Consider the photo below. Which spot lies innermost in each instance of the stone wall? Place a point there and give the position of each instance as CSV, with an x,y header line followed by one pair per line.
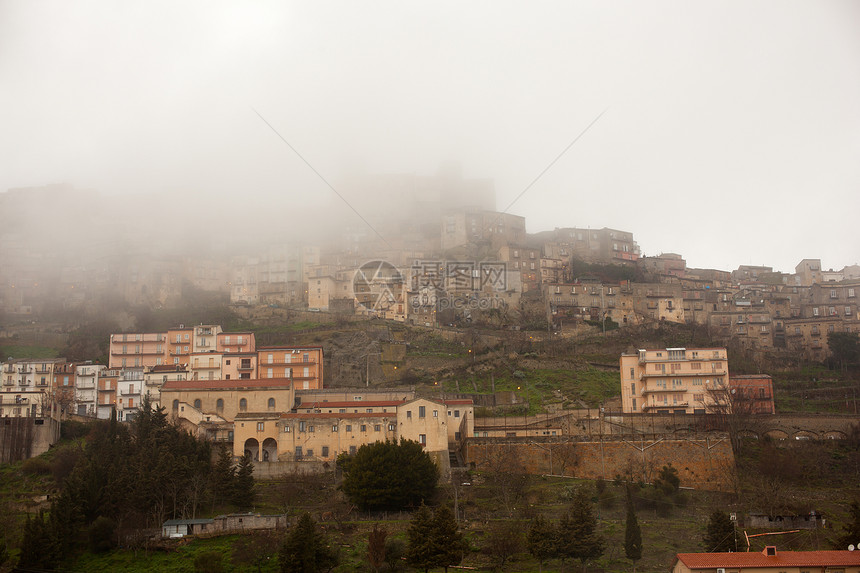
x,y
26,437
705,462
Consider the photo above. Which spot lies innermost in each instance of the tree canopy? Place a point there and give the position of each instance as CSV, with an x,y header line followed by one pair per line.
x,y
389,475
305,550
434,539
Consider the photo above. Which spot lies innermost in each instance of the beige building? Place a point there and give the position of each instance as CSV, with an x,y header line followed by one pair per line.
x,y
673,380
322,430
194,400
768,561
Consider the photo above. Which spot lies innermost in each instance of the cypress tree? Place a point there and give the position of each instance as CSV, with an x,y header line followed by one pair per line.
x,y
720,534
632,533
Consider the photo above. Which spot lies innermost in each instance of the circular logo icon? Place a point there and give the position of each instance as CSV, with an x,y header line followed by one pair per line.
x,y
378,286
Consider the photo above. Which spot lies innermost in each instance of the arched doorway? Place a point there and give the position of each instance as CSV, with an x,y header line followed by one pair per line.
x,y
252,448
270,450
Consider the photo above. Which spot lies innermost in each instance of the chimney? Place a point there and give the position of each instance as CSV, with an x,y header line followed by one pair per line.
x,y
770,551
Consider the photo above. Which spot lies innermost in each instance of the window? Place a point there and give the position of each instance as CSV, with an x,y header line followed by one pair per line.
x,y
261,426
377,427
352,450
287,429
198,403
219,405
815,311
409,414
456,413
833,293
847,311
349,427
634,404
175,403
334,428
631,373
325,451
851,292
435,413
391,427
302,426
633,388
421,411
271,404
368,411
298,452
243,405
310,453
422,439
364,427
311,429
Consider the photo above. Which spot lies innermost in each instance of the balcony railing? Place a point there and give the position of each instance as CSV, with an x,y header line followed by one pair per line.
x,y
245,367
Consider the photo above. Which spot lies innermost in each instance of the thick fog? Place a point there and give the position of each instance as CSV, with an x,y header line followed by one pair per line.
x,y
731,131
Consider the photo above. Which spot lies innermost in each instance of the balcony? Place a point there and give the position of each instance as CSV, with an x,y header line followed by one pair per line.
x,y
88,384
245,367
682,374
130,393
282,363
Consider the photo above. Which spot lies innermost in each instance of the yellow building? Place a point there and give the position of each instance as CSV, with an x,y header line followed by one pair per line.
x,y
321,431
194,400
673,380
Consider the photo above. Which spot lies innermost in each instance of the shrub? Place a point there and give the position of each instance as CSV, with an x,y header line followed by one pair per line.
x,y
101,535
38,466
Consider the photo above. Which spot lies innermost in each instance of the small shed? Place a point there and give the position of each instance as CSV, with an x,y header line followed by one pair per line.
x,y
175,528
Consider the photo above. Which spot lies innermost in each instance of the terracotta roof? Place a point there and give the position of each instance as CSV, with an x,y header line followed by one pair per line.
x,y
298,416
226,384
781,559
349,404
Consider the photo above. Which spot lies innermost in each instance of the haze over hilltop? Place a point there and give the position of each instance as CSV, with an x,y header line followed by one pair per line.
x,y
730,132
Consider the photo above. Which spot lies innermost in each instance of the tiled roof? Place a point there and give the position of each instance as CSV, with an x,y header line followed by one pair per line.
x,y
781,559
298,416
349,404
226,384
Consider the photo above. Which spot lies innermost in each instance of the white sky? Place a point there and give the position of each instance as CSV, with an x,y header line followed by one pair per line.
x,y
731,136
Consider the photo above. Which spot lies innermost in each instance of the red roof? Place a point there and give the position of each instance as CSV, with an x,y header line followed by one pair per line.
x,y
226,384
307,416
352,404
781,559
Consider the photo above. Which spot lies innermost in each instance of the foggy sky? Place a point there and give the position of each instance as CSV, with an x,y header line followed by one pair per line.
x,y
731,133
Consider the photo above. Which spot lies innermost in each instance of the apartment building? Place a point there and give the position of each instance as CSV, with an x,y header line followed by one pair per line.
x,y
238,342
471,226
664,264
129,390
602,246
659,301
156,376
673,380
524,260
86,388
63,389
239,365
589,301
107,392
28,387
136,350
301,364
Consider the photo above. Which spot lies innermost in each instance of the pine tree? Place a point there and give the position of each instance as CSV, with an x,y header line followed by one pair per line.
x,y
447,537
541,540
632,533
421,551
850,531
223,477
305,550
39,549
577,533
244,494
720,534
